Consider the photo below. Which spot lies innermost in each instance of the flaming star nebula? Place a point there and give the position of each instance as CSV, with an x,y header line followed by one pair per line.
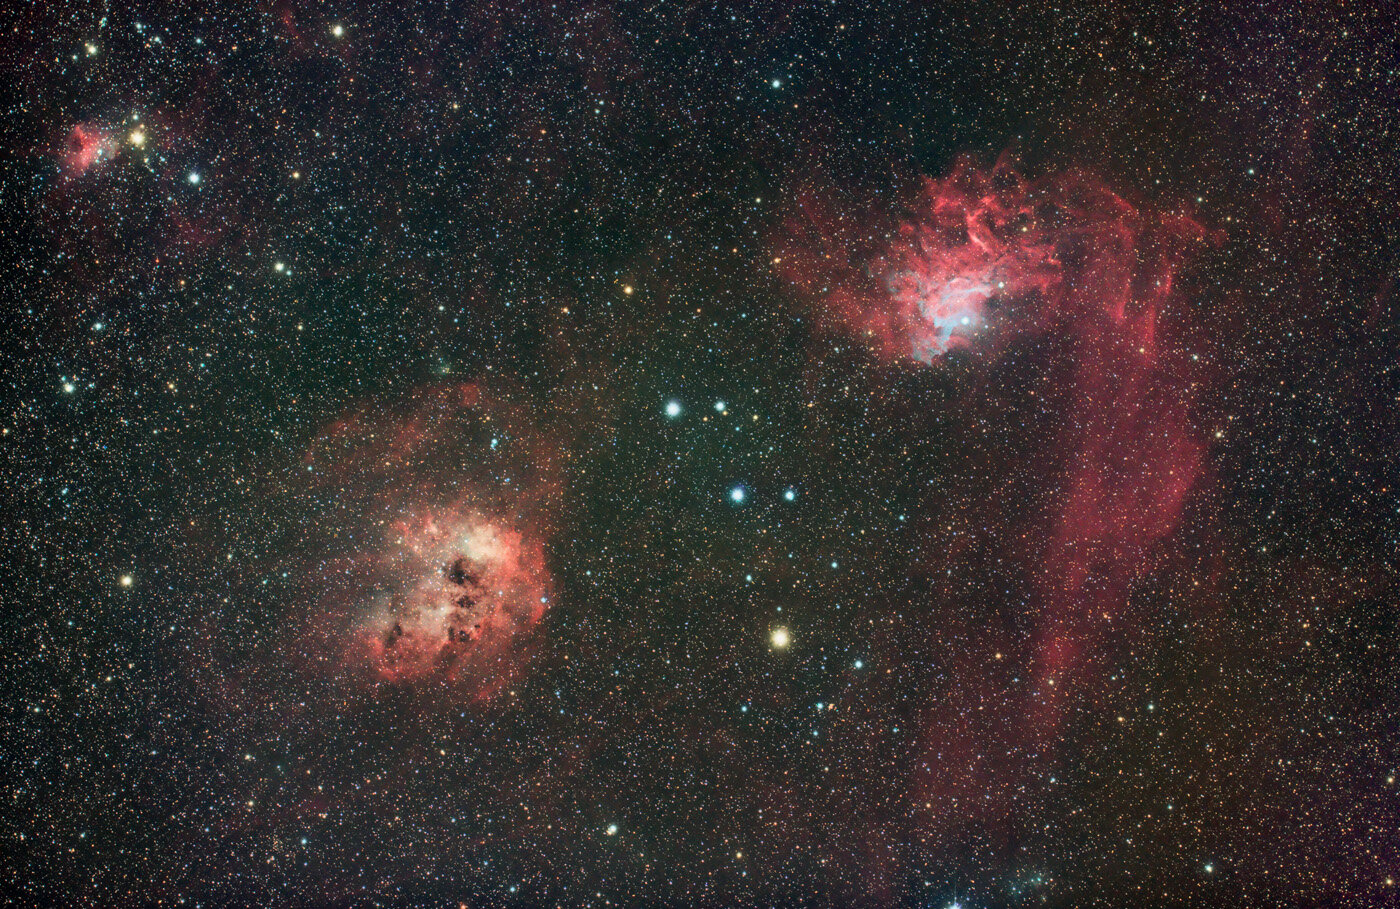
x,y
987,248
989,261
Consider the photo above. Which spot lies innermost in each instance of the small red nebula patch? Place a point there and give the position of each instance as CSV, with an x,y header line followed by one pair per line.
x,y
86,146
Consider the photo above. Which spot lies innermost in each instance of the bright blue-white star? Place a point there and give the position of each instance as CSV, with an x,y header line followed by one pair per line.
x,y
790,494
673,408
738,494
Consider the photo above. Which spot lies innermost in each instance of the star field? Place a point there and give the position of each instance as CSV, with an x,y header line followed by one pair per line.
x,y
607,454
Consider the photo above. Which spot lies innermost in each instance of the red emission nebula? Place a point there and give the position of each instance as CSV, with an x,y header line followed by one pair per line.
x,y
986,261
431,558
86,146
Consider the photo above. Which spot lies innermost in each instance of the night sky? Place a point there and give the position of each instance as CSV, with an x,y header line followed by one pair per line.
x,y
672,454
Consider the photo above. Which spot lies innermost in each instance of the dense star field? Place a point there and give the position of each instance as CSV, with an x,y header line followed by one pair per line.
x,y
659,454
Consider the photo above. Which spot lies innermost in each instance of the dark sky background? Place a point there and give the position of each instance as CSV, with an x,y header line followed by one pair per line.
x,y
282,280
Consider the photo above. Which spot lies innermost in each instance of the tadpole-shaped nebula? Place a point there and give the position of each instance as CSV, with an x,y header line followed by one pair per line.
x,y
989,261
431,552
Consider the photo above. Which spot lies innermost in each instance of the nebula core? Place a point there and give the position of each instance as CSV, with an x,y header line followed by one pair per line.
x,y
87,146
478,586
